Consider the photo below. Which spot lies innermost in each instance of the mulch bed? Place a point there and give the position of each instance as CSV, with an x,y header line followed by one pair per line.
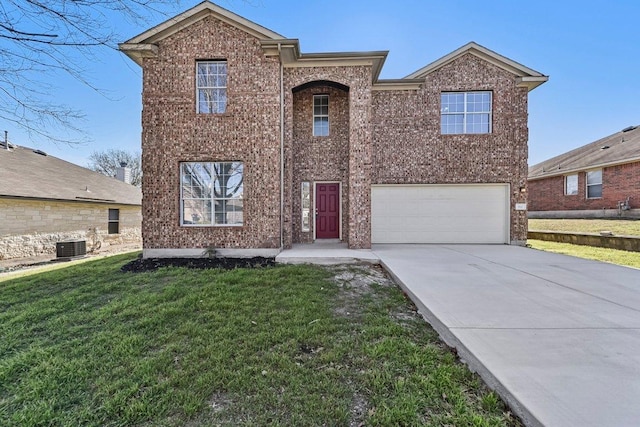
x,y
149,264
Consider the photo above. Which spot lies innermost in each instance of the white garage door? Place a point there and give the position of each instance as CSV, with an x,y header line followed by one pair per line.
x,y
440,213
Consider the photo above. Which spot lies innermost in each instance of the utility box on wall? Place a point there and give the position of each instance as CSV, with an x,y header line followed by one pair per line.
x,y
73,248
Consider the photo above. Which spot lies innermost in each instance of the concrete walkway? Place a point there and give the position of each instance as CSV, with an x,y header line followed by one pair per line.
x,y
325,253
558,337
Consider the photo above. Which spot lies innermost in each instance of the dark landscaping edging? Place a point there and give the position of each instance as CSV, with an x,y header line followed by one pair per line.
x,y
625,243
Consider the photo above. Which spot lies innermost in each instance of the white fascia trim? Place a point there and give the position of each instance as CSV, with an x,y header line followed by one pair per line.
x,y
198,253
202,10
383,85
483,53
561,172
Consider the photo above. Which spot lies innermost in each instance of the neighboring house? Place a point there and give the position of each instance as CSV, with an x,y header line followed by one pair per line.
x,y
597,180
44,200
250,146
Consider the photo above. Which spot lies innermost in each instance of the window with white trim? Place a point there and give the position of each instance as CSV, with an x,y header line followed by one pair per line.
x,y
320,115
465,112
571,185
306,206
211,193
594,184
211,87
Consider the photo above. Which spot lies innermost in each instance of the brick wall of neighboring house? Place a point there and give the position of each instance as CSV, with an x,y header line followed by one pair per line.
x,y
408,147
356,197
319,158
618,183
249,131
32,227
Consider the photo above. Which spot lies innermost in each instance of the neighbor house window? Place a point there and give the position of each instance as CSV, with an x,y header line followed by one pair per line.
x,y
114,221
465,112
594,184
571,185
306,206
320,115
211,86
211,193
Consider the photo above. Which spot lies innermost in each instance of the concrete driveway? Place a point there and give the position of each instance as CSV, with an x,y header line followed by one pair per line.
x,y
558,337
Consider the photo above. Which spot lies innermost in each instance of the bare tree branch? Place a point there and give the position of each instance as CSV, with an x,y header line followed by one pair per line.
x,y
107,162
39,40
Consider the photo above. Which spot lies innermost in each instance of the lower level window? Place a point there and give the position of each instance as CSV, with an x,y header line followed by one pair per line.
x,y
211,193
306,206
594,184
114,221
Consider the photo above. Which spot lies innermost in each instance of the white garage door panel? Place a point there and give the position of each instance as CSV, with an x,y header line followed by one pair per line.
x,y
439,214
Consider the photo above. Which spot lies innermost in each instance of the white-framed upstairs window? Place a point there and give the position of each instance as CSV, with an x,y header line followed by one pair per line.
x,y
465,112
211,193
594,184
211,87
571,185
320,115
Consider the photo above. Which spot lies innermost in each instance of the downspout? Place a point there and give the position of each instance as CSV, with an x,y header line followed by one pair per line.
x,y
281,147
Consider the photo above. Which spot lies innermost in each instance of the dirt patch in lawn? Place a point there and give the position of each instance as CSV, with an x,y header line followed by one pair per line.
x,y
149,264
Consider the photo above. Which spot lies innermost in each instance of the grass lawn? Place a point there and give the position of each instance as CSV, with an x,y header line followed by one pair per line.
x,y
613,256
288,345
616,226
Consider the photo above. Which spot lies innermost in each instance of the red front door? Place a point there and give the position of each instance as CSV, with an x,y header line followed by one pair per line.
x,y
327,211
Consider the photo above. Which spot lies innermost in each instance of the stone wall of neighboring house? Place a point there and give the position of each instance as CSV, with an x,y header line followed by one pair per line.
x,y
408,147
349,156
618,183
32,227
249,131
319,158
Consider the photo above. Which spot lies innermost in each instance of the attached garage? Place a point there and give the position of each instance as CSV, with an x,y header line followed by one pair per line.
x,y
447,213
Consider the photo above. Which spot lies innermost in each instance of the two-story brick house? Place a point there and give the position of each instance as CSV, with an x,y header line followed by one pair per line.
x,y
250,146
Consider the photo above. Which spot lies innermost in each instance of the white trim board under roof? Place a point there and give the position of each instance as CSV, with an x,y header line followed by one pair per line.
x,y
527,77
288,50
619,148
144,45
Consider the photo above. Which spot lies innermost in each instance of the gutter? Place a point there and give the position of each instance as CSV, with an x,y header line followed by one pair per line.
x,y
561,172
281,147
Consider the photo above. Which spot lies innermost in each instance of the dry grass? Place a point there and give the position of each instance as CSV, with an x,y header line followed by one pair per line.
x,y
620,227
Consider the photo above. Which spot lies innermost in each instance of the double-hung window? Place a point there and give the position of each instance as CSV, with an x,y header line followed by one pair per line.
x,y
320,115
465,112
571,185
114,221
594,184
211,193
211,86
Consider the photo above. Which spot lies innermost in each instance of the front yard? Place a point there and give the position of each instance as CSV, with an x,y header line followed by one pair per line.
x,y
285,345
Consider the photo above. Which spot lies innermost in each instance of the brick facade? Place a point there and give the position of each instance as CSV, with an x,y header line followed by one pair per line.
x,y
425,156
376,136
249,131
618,183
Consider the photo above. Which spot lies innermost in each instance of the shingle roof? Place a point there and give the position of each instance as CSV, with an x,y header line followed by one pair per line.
x,y
619,148
29,173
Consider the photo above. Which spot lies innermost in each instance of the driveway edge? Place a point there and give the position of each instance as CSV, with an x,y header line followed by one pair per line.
x,y
465,355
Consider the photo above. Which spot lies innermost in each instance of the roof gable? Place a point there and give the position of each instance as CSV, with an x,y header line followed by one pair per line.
x,y
526,76
145,44
620,148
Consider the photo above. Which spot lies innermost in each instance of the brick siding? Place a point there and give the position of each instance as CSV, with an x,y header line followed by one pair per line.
x,y
618,183
249,131
376,137
409,149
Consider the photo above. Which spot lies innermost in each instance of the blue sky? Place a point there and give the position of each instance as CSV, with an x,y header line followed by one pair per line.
x,y
590,50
